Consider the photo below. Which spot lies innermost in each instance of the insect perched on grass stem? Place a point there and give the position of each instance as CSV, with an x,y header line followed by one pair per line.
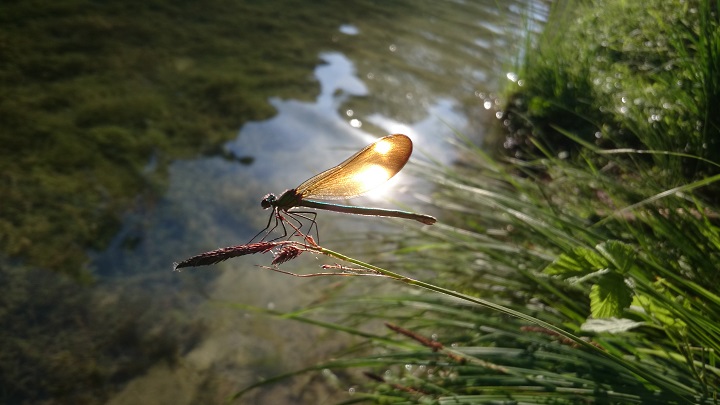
x,y
369,168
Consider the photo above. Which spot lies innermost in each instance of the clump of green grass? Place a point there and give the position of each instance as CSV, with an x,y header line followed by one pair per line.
x,y
585,276
625,74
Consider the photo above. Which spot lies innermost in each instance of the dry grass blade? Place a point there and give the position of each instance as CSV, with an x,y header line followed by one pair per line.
x,y
286,253
222,254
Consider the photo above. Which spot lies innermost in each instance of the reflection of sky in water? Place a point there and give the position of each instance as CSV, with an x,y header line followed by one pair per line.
x,y
304,139
299,141
213,202
349,29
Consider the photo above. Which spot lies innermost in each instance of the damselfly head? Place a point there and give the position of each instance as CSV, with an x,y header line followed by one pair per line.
x,y
268,201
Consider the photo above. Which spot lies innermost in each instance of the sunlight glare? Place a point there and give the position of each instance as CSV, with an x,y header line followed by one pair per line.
x,y
371,176
383,191
382,148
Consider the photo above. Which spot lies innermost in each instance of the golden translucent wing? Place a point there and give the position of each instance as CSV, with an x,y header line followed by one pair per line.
x,y
372,166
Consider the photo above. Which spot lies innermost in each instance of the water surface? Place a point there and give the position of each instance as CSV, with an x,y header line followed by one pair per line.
x,y
417,68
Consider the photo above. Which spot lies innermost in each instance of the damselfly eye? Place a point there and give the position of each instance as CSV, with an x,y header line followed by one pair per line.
x,y
267,201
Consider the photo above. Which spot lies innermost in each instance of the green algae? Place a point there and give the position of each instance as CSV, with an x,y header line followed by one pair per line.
x,y
92,91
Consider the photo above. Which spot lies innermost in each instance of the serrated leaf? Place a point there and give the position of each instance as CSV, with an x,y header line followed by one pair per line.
x,y
621,255
609,297
593,259
610,325
580,260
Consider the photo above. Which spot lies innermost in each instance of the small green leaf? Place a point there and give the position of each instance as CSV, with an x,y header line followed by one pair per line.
x,y
621,255
580,260
609,297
